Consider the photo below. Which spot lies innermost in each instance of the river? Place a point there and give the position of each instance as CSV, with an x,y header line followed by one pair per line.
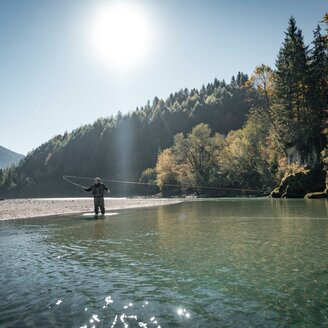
x,y
201,263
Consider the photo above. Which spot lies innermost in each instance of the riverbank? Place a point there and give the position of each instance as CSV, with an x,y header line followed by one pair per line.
x,y
39,207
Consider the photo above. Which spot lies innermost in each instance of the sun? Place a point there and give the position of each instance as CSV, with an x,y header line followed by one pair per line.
x,y
120,35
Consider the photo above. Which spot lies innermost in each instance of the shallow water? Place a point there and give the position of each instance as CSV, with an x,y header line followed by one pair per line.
x,y
213,263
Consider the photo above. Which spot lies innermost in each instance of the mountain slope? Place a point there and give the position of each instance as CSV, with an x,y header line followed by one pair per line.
x,y
8,157
122,147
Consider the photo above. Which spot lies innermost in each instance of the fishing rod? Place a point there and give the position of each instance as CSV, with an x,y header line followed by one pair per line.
x,y
69,177
72,182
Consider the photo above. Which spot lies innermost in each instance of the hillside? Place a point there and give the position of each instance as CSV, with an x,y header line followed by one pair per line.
x,y
122,147
8,157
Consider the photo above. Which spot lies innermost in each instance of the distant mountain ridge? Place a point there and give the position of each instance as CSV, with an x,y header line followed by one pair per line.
x,y
8,157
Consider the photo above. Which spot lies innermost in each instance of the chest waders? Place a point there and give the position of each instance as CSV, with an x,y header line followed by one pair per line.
x,y
99,202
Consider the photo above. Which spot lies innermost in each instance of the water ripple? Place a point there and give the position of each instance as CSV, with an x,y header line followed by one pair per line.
x,y
202,264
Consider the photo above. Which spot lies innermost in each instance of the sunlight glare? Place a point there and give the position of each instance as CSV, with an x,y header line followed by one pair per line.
x,y
120,35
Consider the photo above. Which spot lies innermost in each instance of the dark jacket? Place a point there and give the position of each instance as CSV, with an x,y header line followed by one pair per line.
x,y
97,189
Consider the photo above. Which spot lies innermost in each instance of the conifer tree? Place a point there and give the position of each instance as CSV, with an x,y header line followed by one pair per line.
x,y
291,69
241,79
291,110
318,86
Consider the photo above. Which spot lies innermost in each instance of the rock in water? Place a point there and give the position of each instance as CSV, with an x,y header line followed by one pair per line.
x,y
299,184
316,195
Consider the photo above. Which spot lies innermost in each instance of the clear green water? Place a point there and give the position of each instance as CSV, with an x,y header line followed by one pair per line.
x,y
215,263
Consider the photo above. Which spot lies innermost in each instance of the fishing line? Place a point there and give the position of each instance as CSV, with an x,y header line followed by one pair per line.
x,y
69,177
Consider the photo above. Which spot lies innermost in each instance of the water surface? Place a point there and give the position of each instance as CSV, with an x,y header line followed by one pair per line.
x,y
213,263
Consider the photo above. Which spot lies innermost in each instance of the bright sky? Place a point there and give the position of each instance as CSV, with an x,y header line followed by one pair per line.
x,y
65,63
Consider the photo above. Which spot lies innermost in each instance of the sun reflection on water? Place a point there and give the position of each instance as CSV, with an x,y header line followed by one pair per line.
x,y
128,317
183,313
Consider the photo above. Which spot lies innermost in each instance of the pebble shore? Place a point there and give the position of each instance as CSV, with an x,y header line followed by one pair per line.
x,y
40,207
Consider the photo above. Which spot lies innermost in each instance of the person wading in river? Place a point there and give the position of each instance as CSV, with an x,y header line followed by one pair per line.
x,y
98,190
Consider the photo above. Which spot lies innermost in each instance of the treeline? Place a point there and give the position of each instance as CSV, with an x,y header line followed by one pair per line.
x,y
122,147
249,133
284,138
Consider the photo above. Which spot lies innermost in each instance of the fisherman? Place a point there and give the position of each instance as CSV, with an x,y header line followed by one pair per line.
x,y
98,190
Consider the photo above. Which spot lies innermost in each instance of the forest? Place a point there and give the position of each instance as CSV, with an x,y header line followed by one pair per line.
x,y
264,134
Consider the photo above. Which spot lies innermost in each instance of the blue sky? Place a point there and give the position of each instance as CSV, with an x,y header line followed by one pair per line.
x,y
52,82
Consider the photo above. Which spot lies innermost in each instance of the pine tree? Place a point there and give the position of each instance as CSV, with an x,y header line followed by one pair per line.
x,y
318,85
241,79
291,71
291,101
233,81
324,153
